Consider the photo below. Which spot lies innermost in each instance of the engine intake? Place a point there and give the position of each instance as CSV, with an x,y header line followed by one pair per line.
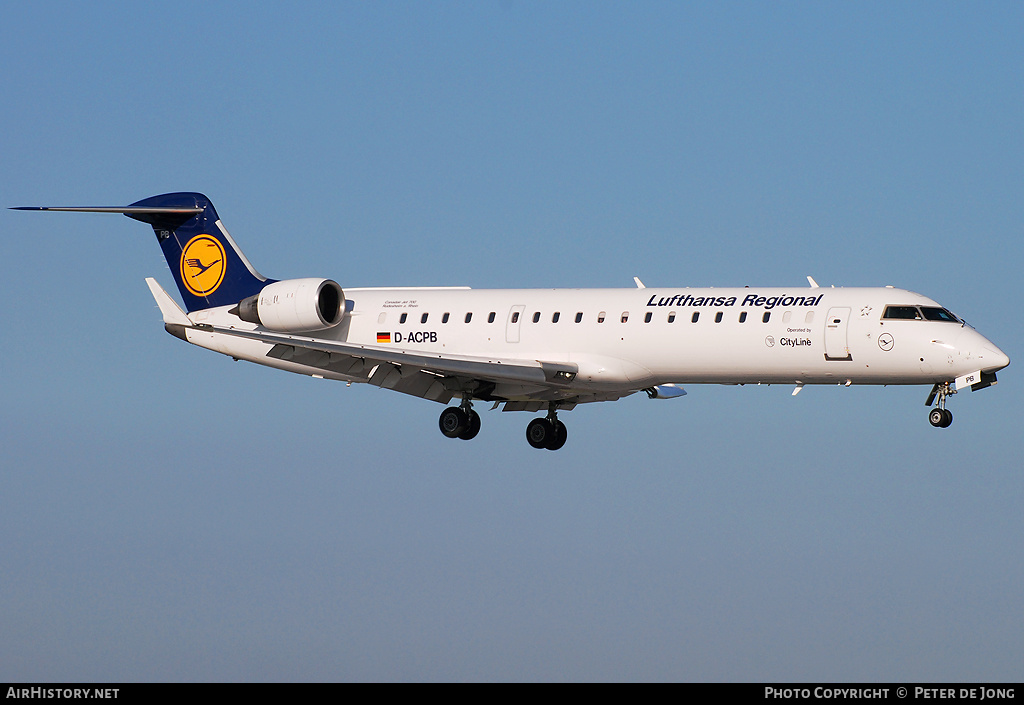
x,y
295,305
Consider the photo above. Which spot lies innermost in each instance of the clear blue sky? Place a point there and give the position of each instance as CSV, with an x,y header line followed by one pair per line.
x,y
168,514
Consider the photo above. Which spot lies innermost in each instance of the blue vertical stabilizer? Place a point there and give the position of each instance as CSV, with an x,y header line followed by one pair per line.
x,y
206,263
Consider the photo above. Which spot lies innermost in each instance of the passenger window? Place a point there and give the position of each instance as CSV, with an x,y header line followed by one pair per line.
x,y
579,316
536,317
718,317
625,316
382,317
766,317
469,317
444,318
600,317
515,316
423,318
402,319
672,317
554,317
490,317
647,317
696,317
809,318
743,316
786,316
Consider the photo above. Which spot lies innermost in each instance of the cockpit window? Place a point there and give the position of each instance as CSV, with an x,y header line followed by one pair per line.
x,y
934,313
906,313
919,313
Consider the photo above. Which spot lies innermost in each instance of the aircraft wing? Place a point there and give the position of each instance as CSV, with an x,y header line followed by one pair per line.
x,y
429,375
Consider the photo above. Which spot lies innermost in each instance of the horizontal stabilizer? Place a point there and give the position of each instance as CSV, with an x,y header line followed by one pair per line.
x,y
207,265
126,210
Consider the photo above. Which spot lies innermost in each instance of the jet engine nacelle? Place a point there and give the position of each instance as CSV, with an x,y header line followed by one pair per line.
x,y
295,305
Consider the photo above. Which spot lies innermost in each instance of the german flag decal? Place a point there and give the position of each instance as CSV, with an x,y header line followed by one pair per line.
x,y
383,337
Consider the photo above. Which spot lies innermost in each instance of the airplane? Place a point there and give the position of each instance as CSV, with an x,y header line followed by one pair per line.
x,y
550,349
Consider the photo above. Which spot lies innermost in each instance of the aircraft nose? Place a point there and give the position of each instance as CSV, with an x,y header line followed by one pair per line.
x,y
994,358
975,350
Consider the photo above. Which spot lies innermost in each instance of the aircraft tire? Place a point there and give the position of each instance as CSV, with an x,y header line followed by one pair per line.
x,y
473,428
940,418
558,436
453,422
539,433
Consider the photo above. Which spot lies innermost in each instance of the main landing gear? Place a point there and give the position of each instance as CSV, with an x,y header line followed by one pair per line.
x,y
462,422
940,416
549,432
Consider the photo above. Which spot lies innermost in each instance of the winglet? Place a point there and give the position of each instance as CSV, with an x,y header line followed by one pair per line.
x,y
814,284
639,284
172,313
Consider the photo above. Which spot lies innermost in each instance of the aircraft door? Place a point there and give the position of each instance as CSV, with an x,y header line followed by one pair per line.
x,y
515,319
837,347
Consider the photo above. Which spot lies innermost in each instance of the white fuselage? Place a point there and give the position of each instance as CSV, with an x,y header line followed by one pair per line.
x,y
623,340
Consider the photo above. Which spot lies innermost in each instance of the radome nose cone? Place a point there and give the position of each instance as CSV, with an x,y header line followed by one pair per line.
x,y
995,359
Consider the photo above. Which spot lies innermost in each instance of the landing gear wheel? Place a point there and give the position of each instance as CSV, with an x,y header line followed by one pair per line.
x,y
454,422
558,437
473,428
539,433
940,418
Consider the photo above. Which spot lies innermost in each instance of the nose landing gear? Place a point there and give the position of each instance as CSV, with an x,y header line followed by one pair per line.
x,y
940,416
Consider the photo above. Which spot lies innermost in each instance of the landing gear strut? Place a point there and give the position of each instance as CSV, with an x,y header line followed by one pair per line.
x,y
460,421
940,416
549,432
